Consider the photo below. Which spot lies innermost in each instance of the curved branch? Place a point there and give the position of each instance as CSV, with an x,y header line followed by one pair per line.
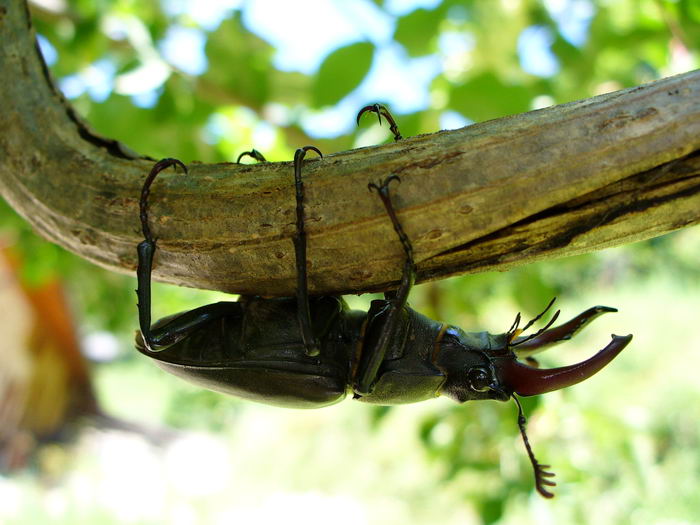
x,y
568,179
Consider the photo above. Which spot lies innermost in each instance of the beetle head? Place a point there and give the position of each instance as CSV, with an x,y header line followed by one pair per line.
x,y
486,366
470,366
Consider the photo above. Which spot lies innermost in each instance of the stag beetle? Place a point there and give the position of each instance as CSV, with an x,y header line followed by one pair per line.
x,y
310,352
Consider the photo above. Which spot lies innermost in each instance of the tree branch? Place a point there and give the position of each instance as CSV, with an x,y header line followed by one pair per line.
x,y
569,179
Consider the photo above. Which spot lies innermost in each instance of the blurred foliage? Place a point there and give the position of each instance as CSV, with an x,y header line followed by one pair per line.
x,y
491,58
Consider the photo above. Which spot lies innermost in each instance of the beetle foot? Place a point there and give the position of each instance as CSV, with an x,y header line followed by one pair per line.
x,y
380,110
383,187
254,154
146,190
300,153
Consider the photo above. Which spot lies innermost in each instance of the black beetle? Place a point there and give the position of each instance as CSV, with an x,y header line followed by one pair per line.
x,y
310,352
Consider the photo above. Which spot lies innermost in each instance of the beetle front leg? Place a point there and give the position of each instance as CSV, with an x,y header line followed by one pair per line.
x,y
369,367
180,327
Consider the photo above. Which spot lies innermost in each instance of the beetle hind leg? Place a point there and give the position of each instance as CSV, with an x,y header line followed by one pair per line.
x,y
146,250
164,336
304,312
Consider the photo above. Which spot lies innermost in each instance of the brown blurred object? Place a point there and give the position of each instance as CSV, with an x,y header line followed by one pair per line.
x,y
46,390
45,383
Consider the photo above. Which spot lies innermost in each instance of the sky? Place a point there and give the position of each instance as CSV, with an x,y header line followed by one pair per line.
x,y
343,23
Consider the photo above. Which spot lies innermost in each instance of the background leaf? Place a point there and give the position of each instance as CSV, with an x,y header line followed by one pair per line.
x,y
418,30
340,73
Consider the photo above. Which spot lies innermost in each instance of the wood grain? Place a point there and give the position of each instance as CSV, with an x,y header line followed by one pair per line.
x,y
564,180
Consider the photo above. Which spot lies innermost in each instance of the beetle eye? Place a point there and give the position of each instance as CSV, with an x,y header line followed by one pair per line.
x,y
479,379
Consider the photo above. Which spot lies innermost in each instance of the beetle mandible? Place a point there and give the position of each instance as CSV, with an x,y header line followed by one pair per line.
x,y
310,352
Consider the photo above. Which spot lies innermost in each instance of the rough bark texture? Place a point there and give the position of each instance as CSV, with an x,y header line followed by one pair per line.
x,y
569,179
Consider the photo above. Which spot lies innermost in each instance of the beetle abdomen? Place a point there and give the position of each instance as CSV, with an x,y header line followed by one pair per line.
x,y
240,355
290,385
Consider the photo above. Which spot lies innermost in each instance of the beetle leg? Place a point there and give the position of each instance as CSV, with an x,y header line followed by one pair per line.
x,y
524,347
380,110
304,312
531,361
175,330
254,154
541,472
370,366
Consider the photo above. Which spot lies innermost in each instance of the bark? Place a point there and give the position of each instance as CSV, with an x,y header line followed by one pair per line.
x,y
564,180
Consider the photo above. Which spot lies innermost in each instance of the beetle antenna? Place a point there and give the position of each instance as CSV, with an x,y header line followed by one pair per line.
x,y
539,316
540,331
145,192
541,473
512,333
513,330
254,154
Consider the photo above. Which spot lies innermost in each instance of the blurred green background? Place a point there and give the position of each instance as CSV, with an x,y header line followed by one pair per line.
x,y
208,80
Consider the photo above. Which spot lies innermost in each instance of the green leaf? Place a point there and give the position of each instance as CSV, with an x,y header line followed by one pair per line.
x,y
417,31
486,97
289,87
171,128
341,72
239,65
